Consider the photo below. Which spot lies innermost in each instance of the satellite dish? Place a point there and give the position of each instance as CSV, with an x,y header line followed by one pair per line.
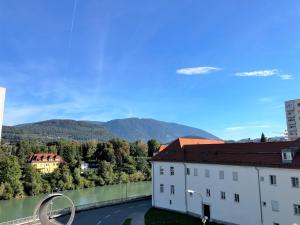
x,y
41,210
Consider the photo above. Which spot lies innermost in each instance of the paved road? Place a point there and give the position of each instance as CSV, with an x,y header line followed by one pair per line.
x,y
112,215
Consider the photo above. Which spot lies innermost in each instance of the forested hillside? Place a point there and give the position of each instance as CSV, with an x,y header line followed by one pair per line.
x,y
130,129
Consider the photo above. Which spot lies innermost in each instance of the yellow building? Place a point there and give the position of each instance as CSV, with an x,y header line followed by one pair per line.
x,y
45,162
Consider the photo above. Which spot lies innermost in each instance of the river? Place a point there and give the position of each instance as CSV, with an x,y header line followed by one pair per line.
x,y
18,208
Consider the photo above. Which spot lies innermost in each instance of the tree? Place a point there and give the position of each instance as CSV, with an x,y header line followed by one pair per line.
x,y
6,191
121,150
24,151
66,178
153,146
88,149
105,171
70,152
10,173
78,179
138,148
123,177
33,182
263,138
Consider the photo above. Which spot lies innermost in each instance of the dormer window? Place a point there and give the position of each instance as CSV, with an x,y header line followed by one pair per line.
x,y
288,154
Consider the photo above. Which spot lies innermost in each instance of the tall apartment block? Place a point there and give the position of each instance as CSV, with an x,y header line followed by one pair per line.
x,y
2,98
292,110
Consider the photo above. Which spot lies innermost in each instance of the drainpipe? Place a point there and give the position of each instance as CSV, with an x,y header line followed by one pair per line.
x,y
153,192
185,188
259,191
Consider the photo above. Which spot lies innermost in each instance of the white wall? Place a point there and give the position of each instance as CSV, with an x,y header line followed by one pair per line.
x,y
283,192
247,211
162,200
2,98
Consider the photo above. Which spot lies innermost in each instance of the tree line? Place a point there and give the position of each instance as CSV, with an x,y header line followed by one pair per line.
x,y
117,161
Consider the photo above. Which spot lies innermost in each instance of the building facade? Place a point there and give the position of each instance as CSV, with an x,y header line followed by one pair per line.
x,y
2,99
45,162
245,183
292,110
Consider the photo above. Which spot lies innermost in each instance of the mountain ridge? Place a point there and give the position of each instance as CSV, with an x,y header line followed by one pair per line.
x,y
130,129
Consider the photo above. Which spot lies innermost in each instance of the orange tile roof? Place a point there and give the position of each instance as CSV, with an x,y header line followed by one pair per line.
x,y
180,142
197,141
44,157
162,147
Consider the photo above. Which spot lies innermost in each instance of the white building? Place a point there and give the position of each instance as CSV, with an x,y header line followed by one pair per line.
x,y
292,110
2,98
243,183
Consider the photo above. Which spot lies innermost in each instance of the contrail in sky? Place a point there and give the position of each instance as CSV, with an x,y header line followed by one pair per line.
x,y
72,23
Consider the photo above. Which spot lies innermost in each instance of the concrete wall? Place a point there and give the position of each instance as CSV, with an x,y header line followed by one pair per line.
x,y
162,200
247,211
283,192
2,99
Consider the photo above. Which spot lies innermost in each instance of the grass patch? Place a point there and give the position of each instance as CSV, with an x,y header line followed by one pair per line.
x,y
127,222
164,217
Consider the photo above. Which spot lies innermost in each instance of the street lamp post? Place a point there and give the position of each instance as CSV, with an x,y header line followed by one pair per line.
x,y
203,218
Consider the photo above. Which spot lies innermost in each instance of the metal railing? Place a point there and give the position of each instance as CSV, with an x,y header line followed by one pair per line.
x,y
33,220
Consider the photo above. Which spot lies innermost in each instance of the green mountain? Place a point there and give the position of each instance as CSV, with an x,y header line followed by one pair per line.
x,y
145,129
51,130
130,129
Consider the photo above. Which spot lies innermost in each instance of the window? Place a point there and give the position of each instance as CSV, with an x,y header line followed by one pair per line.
x,y
207,173
275,206
262,179
172,189
235,176
207,192
188,171
223,195
161,188
295,182
161,170
273,180
297,209
172,171
221,174
236,197
287,156
195,172
170,202
275,223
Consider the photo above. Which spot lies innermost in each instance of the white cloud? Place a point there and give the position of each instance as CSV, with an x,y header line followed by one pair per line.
x,y
197,70
265,99
286,77
258,73
239,128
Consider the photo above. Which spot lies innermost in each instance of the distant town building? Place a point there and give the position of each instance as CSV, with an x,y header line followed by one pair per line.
x,y
2,99
45,162
236,183
292,109
88,167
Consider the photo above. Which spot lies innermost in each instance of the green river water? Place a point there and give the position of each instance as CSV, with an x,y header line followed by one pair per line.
x,y
18,208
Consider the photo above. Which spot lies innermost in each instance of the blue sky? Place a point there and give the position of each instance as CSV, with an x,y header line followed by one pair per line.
x,y
225,66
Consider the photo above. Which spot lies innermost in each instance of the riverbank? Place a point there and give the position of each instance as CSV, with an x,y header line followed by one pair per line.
x,y
18,208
